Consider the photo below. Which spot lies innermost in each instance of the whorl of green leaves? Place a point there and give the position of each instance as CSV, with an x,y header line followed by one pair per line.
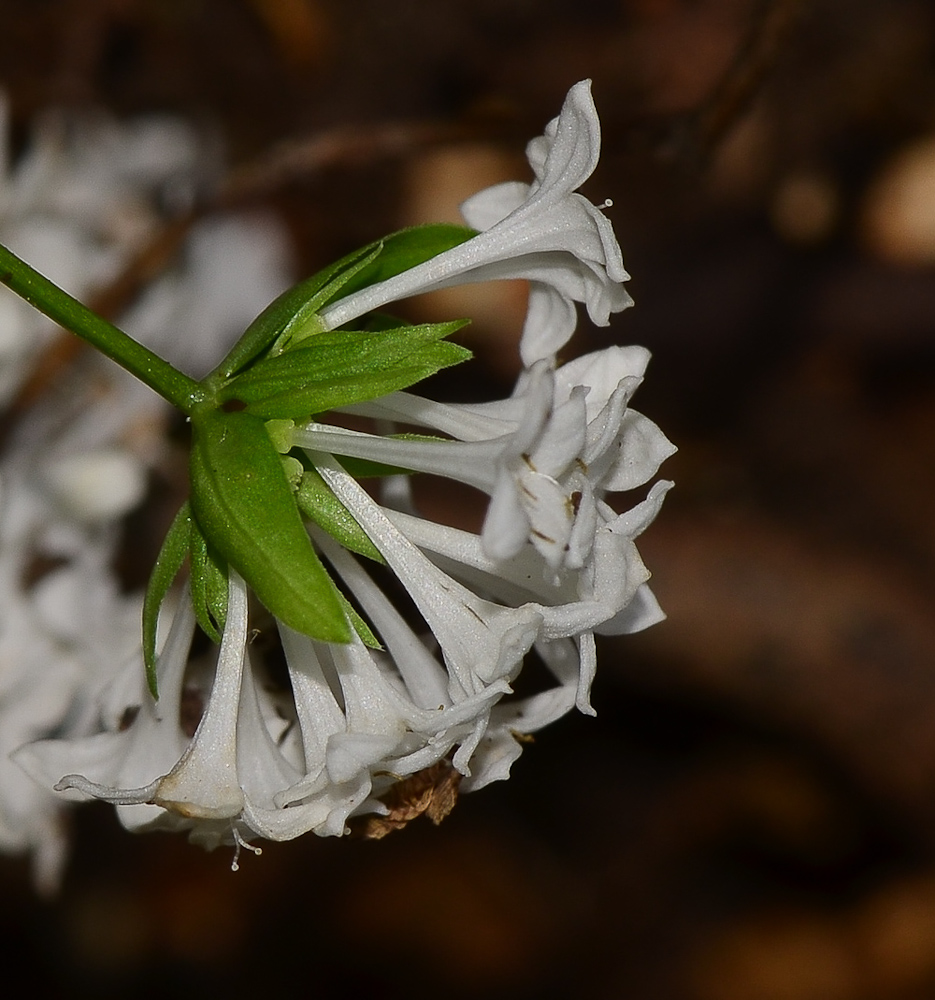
x,y
244,510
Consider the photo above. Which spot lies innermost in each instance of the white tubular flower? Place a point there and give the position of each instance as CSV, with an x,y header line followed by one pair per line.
x,y
364,716
544,232
139,740
360,716
424,686
546,456
156,775
609,596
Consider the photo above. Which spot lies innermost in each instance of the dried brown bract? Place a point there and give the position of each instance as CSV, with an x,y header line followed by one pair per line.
x,y
432,792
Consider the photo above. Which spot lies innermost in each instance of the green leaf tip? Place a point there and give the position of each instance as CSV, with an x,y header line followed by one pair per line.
x,y
291,320
168,563
209,585
292,315
342,367
319,504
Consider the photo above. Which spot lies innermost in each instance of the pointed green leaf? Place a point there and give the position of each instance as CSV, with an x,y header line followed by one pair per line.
x,y
301,404
334,354
360,626
349,367
319,504
292,317
243,504
168,563
292,310
209,586
305,322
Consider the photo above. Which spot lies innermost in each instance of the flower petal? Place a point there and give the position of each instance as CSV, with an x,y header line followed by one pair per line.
x,y
204,784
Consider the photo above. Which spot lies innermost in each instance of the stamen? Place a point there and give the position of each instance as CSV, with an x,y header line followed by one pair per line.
x,y
239,842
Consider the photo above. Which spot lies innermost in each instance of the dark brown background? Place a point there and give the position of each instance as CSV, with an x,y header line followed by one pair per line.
x,y
752,814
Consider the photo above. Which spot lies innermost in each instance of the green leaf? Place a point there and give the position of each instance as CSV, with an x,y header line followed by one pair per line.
x,y
301,404
319,504
209,586
305,322
334,354
292,317
243,504
360,626
345,367
286,315
168,563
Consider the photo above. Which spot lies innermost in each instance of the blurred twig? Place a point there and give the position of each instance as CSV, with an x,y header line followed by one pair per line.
x,y
343,146
697,138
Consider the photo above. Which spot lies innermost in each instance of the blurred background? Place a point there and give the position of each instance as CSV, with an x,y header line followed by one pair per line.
x,y
751,816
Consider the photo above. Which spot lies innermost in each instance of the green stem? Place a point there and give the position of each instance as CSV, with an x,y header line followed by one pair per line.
x,y
174,386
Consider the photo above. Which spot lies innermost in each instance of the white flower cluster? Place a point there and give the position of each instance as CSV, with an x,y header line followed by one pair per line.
x,y
554,565
78,203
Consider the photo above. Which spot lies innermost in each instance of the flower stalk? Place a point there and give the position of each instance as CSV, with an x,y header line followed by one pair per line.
x,y
174,386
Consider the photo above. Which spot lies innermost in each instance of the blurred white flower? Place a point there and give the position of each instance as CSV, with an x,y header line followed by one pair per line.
x,y
82,198
64,626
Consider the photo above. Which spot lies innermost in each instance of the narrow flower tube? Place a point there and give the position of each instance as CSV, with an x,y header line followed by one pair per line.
x,y
544,232
546,456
